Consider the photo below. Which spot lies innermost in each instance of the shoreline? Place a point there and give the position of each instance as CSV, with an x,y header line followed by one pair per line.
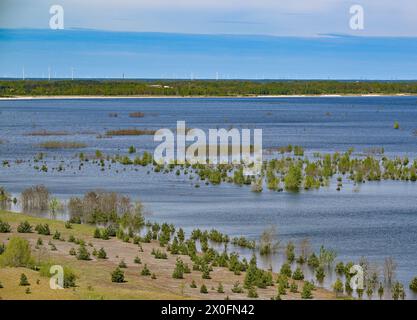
x,y
95,272
66,97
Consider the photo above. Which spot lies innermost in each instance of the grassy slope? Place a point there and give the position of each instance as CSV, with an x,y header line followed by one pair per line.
x,y
94,276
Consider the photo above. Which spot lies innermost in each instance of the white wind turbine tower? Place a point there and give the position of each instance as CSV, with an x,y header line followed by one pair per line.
x,y
72,73
49,73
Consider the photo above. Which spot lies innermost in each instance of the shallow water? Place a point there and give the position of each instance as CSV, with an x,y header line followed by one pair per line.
x,y
375,220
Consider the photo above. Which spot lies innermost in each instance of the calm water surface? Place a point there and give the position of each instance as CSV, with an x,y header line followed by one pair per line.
x,y
375,220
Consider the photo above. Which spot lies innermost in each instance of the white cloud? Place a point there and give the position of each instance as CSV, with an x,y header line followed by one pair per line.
x,y
273,17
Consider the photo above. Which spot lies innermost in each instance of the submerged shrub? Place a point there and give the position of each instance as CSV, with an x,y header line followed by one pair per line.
x,y
35,198
338,287
413,284
107,207
293,178
398,291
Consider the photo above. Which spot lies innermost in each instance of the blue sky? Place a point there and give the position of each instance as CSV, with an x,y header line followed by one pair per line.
x,y
200,38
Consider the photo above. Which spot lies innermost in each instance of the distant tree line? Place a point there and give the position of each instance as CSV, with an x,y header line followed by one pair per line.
x,y
200,87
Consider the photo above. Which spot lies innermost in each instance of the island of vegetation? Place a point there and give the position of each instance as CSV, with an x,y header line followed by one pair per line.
x,y
203,88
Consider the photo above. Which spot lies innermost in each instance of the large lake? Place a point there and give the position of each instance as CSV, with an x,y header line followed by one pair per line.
x,y
375,220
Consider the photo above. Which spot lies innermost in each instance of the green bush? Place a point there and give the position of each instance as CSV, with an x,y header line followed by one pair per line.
x,y
220,288
282,288
118,276
252,293
320,274
101,254
340,268
158,254
290,252
338,287
57,235
24,280
24,227
193,284
69,275
286,270
306,293
298,274
122,264
105,234
4,227
398,291
82,253
145,271
179,270
17,253
313,261
292,179
137,260
97,233
237,288
380,291
203,289
413,284
43,229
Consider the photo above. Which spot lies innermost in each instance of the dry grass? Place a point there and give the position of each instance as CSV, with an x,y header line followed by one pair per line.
x,y
45,133
53,144
136,114
130,132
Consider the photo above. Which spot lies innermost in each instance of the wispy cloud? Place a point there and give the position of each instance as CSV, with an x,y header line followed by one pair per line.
x,y
271,17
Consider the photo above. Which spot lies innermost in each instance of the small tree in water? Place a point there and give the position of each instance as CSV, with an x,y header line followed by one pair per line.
x,y
268,242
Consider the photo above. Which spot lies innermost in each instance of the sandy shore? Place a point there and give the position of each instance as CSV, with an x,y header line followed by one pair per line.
x,y
201,97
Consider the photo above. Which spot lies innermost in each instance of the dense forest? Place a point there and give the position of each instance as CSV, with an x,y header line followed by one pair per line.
x,y
180,88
